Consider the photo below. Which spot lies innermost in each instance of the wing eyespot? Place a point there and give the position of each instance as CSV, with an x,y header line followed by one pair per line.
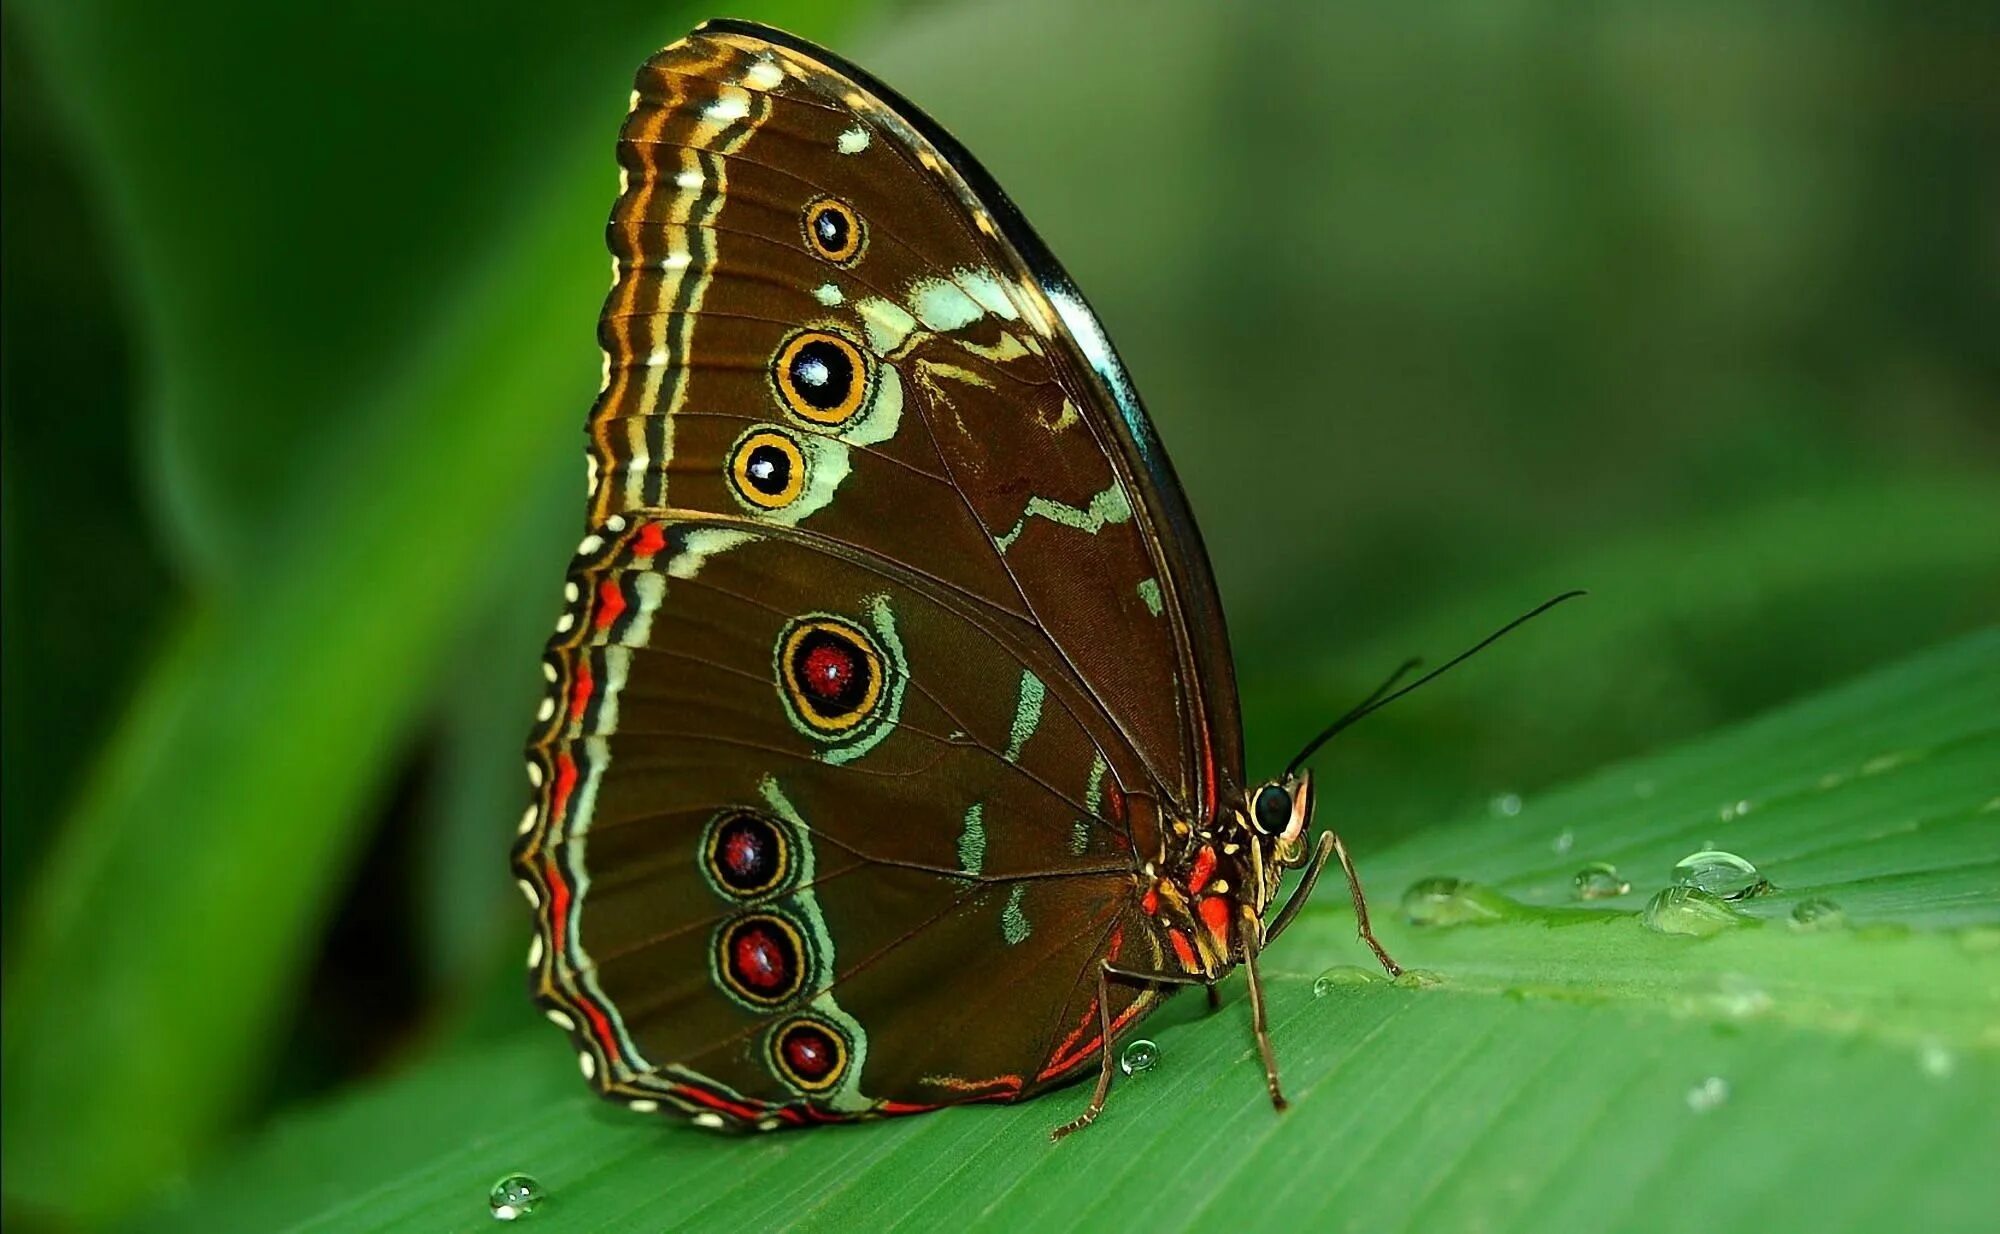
x,y
831,675
809,1053
767,469
822,378
834,232
762,959
748,855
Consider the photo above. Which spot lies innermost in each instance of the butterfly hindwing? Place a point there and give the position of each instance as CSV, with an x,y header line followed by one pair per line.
x,y
862,844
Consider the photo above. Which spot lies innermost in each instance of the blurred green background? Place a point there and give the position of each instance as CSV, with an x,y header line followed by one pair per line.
x,y
1694,306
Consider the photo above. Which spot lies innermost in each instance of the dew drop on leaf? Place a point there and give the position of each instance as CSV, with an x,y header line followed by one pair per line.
x,y
1708,1094
1451,901
1340,975
1936,1059
1719,873
1689,911
1599,881
514,1197
1139,1055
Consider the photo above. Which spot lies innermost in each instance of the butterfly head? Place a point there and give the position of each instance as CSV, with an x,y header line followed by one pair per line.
x,y
1279,815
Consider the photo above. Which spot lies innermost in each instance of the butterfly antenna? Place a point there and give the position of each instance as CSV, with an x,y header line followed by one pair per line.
x,y
1384,694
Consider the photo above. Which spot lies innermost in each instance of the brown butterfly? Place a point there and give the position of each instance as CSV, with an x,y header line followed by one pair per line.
x,y
890,757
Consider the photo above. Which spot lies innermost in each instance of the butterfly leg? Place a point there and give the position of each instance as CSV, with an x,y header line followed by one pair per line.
x,y
1096,1106
1258,1022
1214,997
1105,972
1330,846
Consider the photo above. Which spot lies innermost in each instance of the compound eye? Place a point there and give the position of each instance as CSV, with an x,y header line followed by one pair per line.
x,y
1272,809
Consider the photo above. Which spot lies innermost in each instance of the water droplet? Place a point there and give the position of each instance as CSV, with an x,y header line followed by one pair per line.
x,y
1732,810
1140,1055
515,1196
1708,1094
1564,841
1340,975
1688,910
1738,997
1818,913
1507,805
1719,873
1599,881
1937,1060
1451,901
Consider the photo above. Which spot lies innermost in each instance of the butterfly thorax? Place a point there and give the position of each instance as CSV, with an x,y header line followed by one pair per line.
x,y
1207,888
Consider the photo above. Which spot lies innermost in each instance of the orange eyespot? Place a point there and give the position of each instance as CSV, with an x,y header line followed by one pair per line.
x,y
821,377
768,469
835,231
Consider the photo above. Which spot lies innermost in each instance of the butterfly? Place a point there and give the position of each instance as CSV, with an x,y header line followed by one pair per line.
x,y
890,756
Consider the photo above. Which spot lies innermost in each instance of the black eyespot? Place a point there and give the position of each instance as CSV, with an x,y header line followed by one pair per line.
x,y
1273,808
821,377
767,469
831,228
834,230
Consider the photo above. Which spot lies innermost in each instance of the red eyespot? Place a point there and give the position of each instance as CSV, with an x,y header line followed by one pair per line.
x,y
760,960
828,670
809,1054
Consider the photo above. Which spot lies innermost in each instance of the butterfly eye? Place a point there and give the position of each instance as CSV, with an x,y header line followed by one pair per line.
x,y
821,377
1273,809
834,231
768,469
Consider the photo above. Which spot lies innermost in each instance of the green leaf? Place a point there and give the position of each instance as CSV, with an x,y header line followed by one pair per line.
x,y
1563,1068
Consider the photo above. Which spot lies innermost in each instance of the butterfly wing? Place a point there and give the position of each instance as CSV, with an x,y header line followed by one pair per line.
x,y
827,886
892,643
